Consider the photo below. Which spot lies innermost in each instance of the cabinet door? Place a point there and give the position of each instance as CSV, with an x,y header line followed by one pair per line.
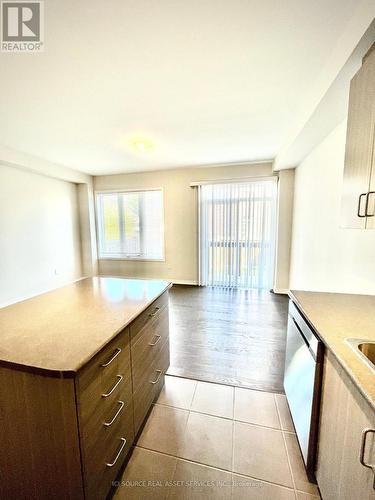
x,y
359,145
370,221
344,416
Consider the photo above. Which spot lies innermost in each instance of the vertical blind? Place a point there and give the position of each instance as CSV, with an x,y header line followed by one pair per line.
x,y
237,227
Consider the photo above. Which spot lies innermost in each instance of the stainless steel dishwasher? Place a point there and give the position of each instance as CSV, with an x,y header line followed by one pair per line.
x,y
302,383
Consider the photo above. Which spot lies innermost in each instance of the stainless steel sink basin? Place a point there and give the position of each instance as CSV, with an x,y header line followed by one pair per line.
x,y
366,349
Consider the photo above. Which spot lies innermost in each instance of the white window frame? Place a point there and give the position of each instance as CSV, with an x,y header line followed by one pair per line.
x,y
99,224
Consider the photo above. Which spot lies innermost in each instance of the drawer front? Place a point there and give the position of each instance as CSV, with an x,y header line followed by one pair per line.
x,y
104,455
147,316
150,386
105,411
100,381
93,422
148,346
109,418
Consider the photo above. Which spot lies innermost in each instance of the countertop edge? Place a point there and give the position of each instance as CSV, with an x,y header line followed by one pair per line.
x,y
341,362
72,371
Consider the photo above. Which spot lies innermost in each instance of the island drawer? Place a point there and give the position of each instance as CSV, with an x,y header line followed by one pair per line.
x,y
105,412
93,417
147,316
105,451
148,346
103,376
150,386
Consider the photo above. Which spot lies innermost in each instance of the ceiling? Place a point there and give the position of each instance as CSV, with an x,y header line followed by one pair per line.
x,y
202,81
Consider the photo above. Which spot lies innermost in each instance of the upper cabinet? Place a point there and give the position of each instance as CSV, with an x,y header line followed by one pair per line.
x,y
358,200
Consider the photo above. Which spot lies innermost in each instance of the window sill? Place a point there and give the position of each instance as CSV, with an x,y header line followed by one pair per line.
x,y
140,259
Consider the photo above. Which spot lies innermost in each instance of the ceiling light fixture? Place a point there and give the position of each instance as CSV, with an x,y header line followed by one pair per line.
x,y
142,144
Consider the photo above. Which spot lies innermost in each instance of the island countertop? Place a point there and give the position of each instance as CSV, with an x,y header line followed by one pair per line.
x,y
59,331
337,317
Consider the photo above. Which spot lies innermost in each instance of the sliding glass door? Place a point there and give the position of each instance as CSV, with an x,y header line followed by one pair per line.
x,y
237,228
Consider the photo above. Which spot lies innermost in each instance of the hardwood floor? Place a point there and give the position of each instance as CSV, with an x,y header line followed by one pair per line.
x,y
234,337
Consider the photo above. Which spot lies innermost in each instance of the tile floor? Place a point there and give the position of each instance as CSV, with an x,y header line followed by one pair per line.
x,y
212,441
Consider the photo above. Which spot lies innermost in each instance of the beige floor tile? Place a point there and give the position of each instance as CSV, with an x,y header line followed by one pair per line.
x,y
199,481
256,407
177,392
298,469
306,496
214,399
144,467
208,440
285,417
164,430
260,452
251,489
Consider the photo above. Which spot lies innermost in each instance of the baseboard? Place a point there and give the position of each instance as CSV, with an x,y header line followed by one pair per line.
x,y
184,282
281,291
171,280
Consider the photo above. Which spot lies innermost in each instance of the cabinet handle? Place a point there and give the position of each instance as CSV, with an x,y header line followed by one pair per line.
x,y
151,315
367,203
156,341
159,372
122,404
111,464
120,378
359,205
362,452
116,353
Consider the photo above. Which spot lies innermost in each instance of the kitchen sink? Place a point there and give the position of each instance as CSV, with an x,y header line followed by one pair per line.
x,y
365,348
368,350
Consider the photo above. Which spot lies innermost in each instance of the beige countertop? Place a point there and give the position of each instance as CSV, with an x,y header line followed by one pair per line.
x,y
337,317
61,330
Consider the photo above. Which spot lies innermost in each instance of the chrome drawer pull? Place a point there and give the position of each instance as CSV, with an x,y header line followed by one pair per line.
x,y
157,340
362,452
159,372
118,454
122,404
117,352
151,315
359,205
120,378
363,447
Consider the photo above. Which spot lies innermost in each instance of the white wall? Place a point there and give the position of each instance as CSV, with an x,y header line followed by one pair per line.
x,y
40,244
181,232
284,230
324,256
87,228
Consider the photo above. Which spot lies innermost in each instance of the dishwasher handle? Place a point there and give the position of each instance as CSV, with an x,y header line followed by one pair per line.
x,y
312,352
308,333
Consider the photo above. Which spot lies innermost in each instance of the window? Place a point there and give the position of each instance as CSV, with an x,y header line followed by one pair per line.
x,y
130,225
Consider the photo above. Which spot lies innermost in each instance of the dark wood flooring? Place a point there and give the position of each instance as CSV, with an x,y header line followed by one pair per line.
x,y
234,337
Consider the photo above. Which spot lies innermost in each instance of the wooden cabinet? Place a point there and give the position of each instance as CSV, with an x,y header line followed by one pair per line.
x,y
345,414
67,434
150,357
40,453
370,221
358,199
105,415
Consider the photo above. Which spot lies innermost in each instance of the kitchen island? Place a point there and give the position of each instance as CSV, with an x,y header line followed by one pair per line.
x,y
80,367
346,439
